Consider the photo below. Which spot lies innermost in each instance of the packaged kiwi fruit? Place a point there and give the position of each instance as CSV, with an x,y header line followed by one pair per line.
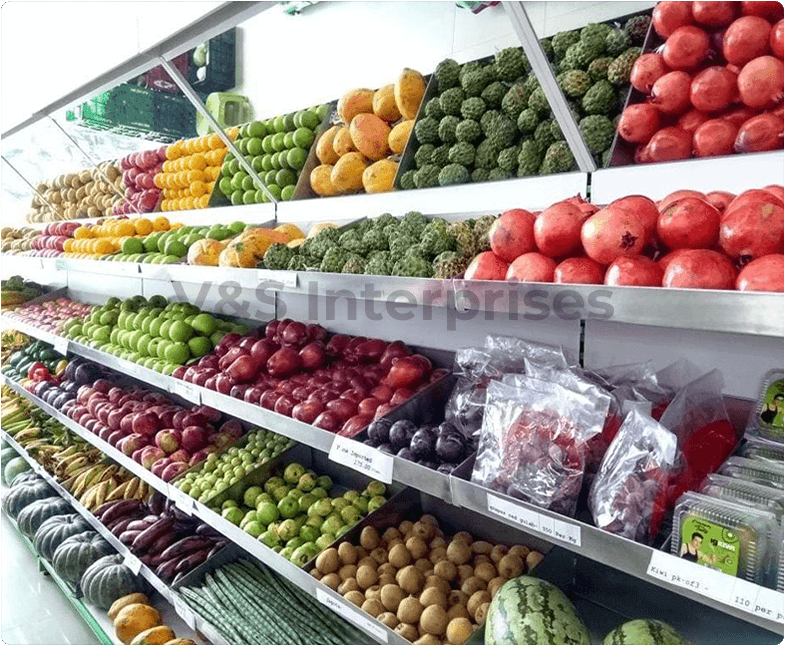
x,y
758,471
744,492
766,416
725,536
759,448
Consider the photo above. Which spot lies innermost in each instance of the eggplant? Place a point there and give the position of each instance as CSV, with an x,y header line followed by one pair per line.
x,y
205,530
117,509
128,537
186,546
161,543
120,525
166,570
139,525
156,503
152,534
191,561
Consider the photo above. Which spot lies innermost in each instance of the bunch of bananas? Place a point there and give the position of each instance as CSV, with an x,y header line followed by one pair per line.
x,y
10,342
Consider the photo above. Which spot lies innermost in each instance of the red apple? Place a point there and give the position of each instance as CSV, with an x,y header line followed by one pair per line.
x,y
307,411
223,384
284,405
268,399
150,455
173,470
253,394
179,372
115,437
232,427
230,357
132,442
104,433
199,456
212,415
178,418
146,423
180,456
193,438
136,456
159,466
168,440
327,421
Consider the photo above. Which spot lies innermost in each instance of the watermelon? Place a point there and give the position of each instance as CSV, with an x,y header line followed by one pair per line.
x,y
643,631
528,610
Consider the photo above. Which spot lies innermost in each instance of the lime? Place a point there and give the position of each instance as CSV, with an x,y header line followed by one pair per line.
x,y
225,185
216,337
177,353
151,242
275,190
254,146
225,170
242,146
183,231
287,193
282,159
267,144
180,331
303,137
275,161
278,125
218,233
278,142
321,111
257,129
249,197
248,184
296,158
269,177
310,119
244,131
237,197
234,166
288,121
133,245
261,197
199,346
288,140
162,243
257,163
175,248
237,227
237,180
285,177
267,162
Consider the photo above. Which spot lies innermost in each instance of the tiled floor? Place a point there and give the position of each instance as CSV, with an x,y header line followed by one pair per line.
x,y
34,611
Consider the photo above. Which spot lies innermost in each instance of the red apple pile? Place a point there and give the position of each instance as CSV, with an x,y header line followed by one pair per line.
x,y
47,315
139,171
338,383
689,239
162,436
50,241
714,87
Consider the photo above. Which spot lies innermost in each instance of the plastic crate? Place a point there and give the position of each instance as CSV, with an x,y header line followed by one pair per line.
x,y
219,74
174,115
158,78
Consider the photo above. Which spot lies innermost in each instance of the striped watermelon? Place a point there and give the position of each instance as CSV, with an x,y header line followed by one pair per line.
x,y
643,631
528,610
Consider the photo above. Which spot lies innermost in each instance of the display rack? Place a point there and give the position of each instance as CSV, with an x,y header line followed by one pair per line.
x,y
583,558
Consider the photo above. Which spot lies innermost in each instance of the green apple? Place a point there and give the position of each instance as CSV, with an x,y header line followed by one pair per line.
x,y
351,515
325,482
293,473
309,533
267,512
273,483
295,542
263,497
228,503
270,538
254,528
288,529
376,502
287,552
296,493
307,500
321,507
332,524
249,517
343,531
341,503
324,541
362,504
233,514
289,507
279,493
351,495
314,521
319,492
307,482
375,488
249,497
304,553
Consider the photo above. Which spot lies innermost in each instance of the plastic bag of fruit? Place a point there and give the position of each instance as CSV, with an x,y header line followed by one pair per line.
x,y
511,353
533,443
628,490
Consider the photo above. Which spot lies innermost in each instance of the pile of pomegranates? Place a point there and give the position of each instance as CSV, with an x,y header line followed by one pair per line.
x,y
688,239
715,85
338,383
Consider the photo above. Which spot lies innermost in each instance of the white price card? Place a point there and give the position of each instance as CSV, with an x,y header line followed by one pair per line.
x,y
184,612
61,345
278,279
362,458
351,615
60,264
186,390
770,604
132,563
125,269
182,500
553,528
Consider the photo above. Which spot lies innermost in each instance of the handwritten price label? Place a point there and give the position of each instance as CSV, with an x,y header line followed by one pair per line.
x,y
344,610
362,458
519,515
132,563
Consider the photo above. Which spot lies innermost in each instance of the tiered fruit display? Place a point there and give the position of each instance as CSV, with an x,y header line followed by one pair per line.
x,y
386,246
277,150
137,621
221,471
491,120
336,382
48,315
53,239
17,241
245,248
16,291
688,239
357,155
90,193
101,241
152,332
421,583
714,87
293,514
190,171
139,172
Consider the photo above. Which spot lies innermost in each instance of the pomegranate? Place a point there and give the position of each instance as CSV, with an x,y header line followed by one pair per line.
x,y
670,144
646,70
771,11
759,134
719,199
752,230
668,16
686,48
739,115
753,196
513,234
713,14
671,93
775,39
713,89
689,223
586,208
637,271
639,122
667,259
578,271
531,268
557,230
745,39
690,121
642,209
486,266
714,138
700,269
669,199
762,275
611,233
760,82
641,155
776,190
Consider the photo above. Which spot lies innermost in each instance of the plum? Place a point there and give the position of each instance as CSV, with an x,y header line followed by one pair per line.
x,y
401,433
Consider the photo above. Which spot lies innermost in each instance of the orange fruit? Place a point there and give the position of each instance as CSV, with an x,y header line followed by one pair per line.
x,y
232,133
214,142
203,201
143,226
160,224
198,188
82,232
197,162
196,175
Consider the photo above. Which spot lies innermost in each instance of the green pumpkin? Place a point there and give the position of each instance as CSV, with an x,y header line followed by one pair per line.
x,y
77,553
32,516
13,466
108,579
53,531
25,490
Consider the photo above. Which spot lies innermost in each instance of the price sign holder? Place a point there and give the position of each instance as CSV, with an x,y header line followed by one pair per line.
x,y
531,520
362,458
132,562
342,608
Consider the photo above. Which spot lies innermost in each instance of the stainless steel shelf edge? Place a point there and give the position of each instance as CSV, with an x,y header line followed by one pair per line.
x,y
609,549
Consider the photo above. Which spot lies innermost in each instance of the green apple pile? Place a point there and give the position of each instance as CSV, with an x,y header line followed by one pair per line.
x,y
295,515
152,332
219,472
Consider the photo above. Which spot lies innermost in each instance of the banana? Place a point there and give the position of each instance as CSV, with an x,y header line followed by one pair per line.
x,y
74,465
100,494
141,490
130,491
82,483
118,493
64,453
68,484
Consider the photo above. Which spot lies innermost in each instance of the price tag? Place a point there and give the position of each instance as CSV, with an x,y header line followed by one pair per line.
x,y
552,527
769,604
362,458
344,610
132,563
60,264
278,279
184,612
567,532
744,595
61,345
691,576
182,500
186,390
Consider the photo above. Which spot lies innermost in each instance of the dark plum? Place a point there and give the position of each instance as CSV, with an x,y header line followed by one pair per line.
x,y
379,431
446,468
447,427
449,448
423,443
406,454
401,434
387,448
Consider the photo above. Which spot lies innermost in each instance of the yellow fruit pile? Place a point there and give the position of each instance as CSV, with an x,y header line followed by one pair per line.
x,y
94,241
190,171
